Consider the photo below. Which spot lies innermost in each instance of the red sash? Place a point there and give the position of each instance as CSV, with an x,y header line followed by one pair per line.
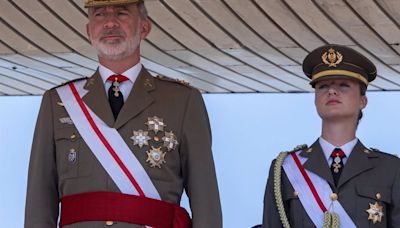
x,y
114,206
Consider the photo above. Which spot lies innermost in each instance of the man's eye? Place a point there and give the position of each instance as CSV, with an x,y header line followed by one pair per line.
x,y
322,86
99,14
344,85
122,13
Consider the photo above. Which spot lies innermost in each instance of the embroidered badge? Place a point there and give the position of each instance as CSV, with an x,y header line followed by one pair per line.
x,y
155,157
72,156
155,124
332,57
140,138
375,212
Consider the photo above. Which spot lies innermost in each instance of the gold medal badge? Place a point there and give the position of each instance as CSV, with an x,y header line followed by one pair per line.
x,y
156,157
375,212
332,57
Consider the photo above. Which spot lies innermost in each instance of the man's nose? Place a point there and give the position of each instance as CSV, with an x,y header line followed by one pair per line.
x,y
111,21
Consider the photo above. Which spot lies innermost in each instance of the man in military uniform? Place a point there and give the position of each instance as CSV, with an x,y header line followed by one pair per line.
x,y
119,148
337,181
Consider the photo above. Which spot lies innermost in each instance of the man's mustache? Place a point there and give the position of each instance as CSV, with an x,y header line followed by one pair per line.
x,y
112,32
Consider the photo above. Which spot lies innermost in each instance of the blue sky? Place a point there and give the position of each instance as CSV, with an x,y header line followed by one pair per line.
x,y
249,130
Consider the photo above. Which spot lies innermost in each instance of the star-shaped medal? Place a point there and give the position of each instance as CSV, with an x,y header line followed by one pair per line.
x,y
155,157
170,141
140,138
375,212
155,124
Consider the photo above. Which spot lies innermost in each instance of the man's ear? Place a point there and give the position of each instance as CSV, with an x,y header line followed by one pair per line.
x,y
88,32
145,28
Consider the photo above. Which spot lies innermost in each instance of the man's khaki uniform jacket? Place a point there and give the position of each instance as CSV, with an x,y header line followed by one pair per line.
x,y
190,167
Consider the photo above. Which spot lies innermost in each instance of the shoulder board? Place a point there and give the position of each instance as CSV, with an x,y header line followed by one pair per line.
x,y
73,80
379,151
179,81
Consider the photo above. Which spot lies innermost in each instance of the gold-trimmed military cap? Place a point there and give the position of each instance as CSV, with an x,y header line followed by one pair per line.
x,y
338,61
97,3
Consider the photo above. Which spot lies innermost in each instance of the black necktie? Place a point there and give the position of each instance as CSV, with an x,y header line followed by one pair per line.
x,y
115,96
337,164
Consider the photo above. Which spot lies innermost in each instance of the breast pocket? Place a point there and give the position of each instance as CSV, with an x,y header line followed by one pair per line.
x,y
294,209
74,159
372,203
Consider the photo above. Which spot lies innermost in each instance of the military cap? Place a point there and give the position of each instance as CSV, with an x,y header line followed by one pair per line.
x,y
96,3
338,61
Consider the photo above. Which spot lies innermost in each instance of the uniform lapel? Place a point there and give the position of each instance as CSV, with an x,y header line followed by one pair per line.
x,y
138,99
96,99
317,163
357,163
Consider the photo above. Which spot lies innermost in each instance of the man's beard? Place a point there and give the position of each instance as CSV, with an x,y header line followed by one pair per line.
x,y
118,49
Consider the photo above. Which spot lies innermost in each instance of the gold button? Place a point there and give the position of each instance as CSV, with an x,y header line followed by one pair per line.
x,y
378,196
295,193
156,138
109,223
73,136
334,196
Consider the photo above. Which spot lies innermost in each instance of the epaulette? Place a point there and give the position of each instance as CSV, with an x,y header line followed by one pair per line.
x,y
299,147
65,83
180,81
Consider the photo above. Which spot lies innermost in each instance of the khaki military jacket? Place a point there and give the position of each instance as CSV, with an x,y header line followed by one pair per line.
x,y
365,174
190,167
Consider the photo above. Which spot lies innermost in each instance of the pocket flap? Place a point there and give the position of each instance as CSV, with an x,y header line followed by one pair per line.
x,y
68,133
375,192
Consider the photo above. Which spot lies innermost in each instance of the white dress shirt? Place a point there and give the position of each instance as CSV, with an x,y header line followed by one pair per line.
x,y
327,148
124,87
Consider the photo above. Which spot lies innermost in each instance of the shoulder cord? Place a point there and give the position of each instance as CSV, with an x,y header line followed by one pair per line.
x,y
331,220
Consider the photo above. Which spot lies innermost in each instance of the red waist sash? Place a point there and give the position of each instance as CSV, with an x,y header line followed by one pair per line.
x,y
114,206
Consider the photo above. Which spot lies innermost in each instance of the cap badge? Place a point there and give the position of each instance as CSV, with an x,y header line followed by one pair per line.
x,y
332,57
375,212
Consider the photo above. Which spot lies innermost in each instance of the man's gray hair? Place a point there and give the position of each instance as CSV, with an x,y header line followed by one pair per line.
x,y
142,10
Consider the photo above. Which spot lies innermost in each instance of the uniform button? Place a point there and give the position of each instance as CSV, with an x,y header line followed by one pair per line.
x,y
378,196
334,196
109,223
73,136
295,193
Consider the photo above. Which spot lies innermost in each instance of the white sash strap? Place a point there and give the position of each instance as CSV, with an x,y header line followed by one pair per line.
x,y
306,196
106,144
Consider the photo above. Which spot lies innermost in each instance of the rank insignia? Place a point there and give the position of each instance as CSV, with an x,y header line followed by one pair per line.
x,y
156,157
66,120
140,138
375,212
155,124
332,57
72,156
170,141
